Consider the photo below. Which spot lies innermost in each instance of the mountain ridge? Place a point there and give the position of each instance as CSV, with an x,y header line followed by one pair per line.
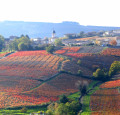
x,y
44,29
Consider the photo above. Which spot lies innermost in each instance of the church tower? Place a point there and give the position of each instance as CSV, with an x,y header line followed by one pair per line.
x,y
53,34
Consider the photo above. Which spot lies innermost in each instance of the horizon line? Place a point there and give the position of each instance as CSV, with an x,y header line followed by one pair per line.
x,y
58,22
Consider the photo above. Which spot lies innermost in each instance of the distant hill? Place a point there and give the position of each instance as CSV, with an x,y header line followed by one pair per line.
x,y
44,29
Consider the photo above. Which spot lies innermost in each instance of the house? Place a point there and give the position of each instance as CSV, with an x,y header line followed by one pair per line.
x,y
13,37
118,41
45,41
70,35
36,41
69,42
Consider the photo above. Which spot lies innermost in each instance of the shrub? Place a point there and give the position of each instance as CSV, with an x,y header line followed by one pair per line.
x,y
50,49
68,108
114,68
98,73
63,99
24,110
79,62
80,72
49,112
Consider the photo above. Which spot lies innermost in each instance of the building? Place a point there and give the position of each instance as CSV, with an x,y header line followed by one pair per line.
x,y
70,35
53,38
118,41
45,41
36,41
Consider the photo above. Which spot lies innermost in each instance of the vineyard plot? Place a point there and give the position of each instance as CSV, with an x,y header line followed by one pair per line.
x,y
30,64
107,99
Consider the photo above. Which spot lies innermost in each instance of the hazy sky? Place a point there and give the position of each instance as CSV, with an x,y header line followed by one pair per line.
x,y
86,12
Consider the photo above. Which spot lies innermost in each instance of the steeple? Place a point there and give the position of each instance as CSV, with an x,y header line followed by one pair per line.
x,y
53,34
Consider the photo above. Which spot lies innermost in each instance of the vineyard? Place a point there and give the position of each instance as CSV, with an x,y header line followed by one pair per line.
x,y
90,56
32,78
81,49
30,64
23,71
66,66
63,83
3,54
68,50
111,51
106,99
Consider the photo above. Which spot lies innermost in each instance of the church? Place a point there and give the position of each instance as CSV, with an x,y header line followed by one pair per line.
x,y
53,38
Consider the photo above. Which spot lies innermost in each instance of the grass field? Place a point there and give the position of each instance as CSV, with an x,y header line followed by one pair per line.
x,y
17,111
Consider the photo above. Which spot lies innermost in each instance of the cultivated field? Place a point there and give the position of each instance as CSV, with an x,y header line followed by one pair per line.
x,y
30,64
107,99
31,78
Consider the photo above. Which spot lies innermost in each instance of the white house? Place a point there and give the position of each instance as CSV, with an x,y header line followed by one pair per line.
x,y
118,41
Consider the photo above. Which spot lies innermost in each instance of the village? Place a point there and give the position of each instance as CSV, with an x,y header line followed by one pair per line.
x,y
108,38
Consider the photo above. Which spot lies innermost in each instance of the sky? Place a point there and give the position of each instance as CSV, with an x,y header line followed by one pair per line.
x,y
86,12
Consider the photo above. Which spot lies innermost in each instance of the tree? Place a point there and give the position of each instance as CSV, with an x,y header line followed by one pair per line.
x,y
101,74
58,42
1,42
114,68
62,110
22,46
91,34
80,72
68,108
82,86
49,112
113,42
79,62
74,107
81,34
98,73
63,99
14,45
24,110
22,43
50,49
97,42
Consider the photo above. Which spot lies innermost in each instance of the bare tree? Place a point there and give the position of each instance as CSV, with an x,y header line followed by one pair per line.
x,y
82,86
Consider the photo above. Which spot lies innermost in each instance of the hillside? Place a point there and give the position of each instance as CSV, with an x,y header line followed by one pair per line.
x,y
42,29
32,78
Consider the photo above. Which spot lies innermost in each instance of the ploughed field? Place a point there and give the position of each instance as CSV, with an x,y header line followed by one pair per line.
x,y
32,78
